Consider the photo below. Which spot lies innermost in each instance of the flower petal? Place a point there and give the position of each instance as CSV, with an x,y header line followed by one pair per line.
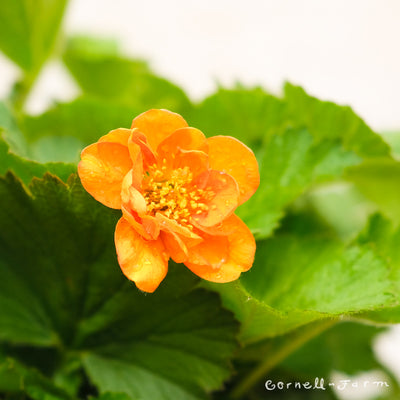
x,y
223,258
146,225
228,272
177,238
196,161
139,139
222,203
141,261
229,155
136,173
120,136
182,139
134,210
173,226
157,125
102,168
175,246
131,197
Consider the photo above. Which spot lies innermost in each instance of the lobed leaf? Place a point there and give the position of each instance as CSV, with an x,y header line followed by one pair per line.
x,y
61,287
296,280
292,162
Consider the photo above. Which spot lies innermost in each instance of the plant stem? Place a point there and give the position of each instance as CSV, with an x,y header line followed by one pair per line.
x,y
22,89
279,352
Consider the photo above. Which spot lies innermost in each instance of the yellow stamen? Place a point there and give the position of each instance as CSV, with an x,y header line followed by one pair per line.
x,y
172,194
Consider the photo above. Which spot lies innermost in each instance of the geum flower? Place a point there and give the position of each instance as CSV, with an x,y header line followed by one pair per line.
x,y
178,192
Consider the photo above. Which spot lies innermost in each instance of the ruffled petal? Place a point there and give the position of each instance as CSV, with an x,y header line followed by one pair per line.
x,y
228,272
145,225
182,139
229,155
120,136
221,203
141,261
136,173
175,246
157,125
102,169
134,210
131,197
223,258
138,139
173,226
195,160
177,238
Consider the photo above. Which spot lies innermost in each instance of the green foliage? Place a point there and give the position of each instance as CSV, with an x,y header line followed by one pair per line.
x,y
63,131
296,280
17,379
27,169
252,114
326,120
106,74
28,29
72,326
61,287
292,162
346,347
247,114
379,181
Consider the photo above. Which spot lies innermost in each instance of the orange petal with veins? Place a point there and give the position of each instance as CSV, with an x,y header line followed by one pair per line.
x,y
226,257
222,203
141,261
102,169
158,125
229,155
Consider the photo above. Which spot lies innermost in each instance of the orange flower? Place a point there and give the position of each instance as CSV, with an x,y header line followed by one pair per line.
x,y
178,192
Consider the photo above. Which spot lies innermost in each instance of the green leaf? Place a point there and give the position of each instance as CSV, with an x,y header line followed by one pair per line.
x,y
27,169
105,74
328,121
16,378
113,396
393,139
379,181
63,131
381,235
247,114
304,141
348,219
292,162
251,115
11,132
28,30
296,280
57,248
14,148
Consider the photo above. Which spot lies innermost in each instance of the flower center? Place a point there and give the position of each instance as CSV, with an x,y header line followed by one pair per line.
x,y
172,194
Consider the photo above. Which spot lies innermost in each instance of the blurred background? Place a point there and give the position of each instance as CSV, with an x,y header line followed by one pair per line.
x,y
346,51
